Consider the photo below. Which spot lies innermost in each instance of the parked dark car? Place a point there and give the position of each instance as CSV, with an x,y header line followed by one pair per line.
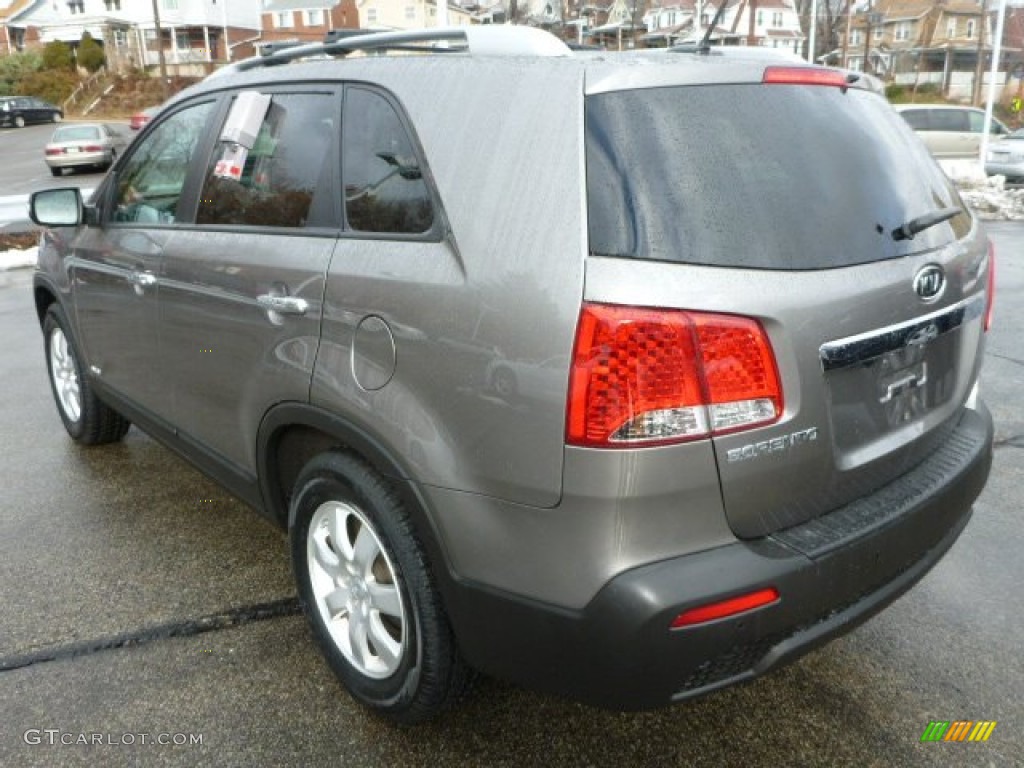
x,y
627,377
19,111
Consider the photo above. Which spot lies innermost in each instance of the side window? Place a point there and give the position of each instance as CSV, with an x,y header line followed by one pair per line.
x,y
384,186
917,118
949,120
149,183
977,120
275,182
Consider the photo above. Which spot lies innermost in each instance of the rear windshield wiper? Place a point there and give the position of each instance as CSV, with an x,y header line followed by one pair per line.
x,y
921,223
704,46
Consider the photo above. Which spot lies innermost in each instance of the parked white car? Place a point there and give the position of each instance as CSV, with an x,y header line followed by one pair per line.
x,y
948,130
88,145
1006,157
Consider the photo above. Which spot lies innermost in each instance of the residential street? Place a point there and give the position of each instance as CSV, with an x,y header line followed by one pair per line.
x,y
142,603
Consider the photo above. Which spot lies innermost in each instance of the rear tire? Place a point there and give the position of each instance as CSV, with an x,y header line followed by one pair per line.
x,y
368,593
56,171
88,420
57,117
19,121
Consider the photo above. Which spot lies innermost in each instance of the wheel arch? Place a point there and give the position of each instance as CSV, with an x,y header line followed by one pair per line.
x,y
44,296
291,434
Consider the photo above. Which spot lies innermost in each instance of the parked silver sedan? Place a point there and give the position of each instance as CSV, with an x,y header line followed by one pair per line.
x,y
82,145
1006,157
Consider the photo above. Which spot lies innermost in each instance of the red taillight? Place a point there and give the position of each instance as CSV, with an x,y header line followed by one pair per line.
x,y
724,608
54,151
804,76
92,148
643,376
990,291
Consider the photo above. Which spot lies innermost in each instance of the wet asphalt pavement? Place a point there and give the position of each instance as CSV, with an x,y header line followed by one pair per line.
x,y
141,603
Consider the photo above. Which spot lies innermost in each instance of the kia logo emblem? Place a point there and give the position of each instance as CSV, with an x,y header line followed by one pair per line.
x,y
929,283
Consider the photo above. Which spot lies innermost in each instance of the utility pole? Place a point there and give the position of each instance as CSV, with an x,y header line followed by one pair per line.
x,y
979,66
224,23
867,40
751,29
160,46
997,44
846,37
814,28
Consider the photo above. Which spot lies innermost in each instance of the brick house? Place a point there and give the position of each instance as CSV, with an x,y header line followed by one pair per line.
x,y
306,21
918,41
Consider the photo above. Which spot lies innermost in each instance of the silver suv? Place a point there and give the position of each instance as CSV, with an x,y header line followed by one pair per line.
x,y
622,376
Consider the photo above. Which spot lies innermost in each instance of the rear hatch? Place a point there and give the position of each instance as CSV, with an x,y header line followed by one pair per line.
x,y
813,209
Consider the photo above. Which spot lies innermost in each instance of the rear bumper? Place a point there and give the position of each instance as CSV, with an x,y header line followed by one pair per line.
x,y
78,159
832,574
1009,170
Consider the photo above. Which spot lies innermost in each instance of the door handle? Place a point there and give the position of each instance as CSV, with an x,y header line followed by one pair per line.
x,y
142,279
283,305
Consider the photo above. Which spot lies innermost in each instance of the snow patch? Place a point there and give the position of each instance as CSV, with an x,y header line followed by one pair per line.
x,y
987,196
17,259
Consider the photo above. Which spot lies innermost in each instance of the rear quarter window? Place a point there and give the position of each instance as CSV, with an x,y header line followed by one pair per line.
x,y
385,189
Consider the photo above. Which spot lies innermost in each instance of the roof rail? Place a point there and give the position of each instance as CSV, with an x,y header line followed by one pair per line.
x,y
265,49
488,39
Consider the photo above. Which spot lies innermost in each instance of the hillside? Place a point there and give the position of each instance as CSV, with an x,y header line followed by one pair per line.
x,y
130,93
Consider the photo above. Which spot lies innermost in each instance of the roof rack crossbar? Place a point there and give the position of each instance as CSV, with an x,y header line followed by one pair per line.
x,y
498,40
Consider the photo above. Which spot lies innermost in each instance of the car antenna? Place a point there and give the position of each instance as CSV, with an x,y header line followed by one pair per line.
x,y
704,46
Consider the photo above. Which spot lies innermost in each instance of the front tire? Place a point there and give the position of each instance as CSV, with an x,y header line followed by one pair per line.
x,y
19,121
87,419
57,117
368,593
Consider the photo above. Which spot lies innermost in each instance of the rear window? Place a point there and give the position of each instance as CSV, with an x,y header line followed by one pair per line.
x,y
76,133
785,177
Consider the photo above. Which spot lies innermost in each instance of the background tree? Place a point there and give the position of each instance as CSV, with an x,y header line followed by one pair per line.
x,y
15,67
53,86
57,56
832,16
90,53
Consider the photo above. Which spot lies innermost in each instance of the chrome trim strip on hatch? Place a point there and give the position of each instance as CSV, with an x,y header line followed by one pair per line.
x,y
867,346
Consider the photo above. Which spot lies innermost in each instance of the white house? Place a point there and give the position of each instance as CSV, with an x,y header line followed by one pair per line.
x,y
407,14
194,31
776,23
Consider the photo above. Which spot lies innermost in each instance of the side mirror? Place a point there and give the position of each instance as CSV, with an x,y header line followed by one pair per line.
x,y
56,207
